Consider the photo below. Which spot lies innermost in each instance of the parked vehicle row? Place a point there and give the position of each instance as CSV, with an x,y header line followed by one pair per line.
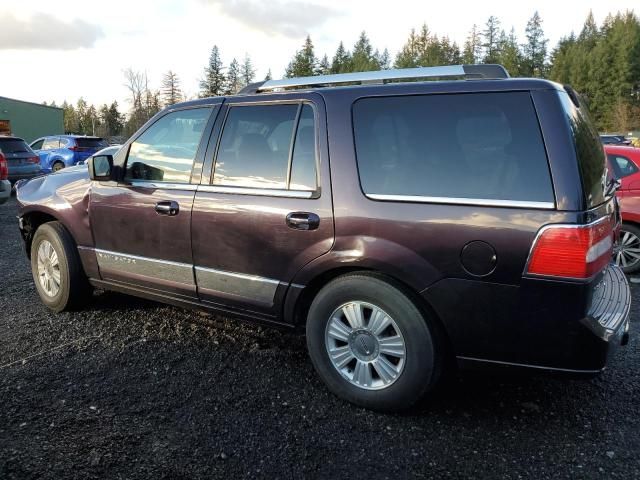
x,y
457,220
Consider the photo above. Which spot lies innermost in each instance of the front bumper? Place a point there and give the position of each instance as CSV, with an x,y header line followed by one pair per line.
x,y
5,190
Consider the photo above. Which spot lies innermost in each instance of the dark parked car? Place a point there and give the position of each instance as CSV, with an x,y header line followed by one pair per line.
x,y
5,184
615,140
59,151
21,160
403,225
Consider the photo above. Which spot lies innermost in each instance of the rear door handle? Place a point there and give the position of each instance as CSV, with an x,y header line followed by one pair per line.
x,y
303,220
167,207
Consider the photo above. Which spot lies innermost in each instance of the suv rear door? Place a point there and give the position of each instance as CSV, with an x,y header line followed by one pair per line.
x,y
141,224
264,207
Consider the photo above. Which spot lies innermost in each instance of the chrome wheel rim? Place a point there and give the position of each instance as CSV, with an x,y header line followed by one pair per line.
x,y
365,345
627,252
48,269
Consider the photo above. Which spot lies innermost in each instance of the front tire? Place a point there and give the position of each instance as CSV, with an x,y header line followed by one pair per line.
x,y
371,344
57,270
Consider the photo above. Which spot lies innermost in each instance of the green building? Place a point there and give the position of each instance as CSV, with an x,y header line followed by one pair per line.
x,y
29,120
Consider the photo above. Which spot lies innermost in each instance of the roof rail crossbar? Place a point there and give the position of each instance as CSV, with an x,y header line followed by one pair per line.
x,y
488,71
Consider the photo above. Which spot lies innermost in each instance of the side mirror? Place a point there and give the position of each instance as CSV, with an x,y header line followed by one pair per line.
x,y
101,167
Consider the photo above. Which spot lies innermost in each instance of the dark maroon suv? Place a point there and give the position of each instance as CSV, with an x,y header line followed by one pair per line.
x,y
403,223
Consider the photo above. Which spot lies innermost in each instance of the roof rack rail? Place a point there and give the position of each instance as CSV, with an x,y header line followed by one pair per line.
x,y
489,71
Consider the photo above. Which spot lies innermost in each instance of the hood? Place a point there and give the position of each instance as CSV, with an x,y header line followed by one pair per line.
x,y
68,181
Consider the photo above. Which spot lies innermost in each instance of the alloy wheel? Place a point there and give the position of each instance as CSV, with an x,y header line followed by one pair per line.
x,y
365,345
627,252
48,269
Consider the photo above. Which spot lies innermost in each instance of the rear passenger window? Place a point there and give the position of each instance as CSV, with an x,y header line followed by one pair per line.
x,y
51,144
622,166
485,146
268,146
166,150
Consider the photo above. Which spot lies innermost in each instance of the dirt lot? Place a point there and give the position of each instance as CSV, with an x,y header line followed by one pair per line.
x,y
132,389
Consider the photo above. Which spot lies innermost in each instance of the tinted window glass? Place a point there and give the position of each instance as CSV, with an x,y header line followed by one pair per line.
x,y
37,145
255,145
622,166
51,144
482,146
12,145
166,150
589,150
94,143
303,165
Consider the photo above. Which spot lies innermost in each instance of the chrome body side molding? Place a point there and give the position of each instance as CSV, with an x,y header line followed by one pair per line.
x,y
482,202
124,263
250,287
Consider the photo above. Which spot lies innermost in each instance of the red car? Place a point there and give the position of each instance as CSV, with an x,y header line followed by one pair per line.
x,y
625,162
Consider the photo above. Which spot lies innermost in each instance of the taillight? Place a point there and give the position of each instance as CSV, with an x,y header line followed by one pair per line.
x,y
4,168
35,159
74,148
572,251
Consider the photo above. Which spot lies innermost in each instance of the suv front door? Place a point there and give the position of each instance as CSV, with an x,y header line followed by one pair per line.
x,y
141,224
264,208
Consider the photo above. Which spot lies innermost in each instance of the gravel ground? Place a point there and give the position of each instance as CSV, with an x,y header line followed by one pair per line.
x,y
132,389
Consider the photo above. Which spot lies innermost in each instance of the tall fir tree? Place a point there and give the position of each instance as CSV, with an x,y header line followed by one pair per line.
x,y
247,72
472,46
170,89
324,67
234,78
534,52
363,58
214,81
491,39
304,61
341,62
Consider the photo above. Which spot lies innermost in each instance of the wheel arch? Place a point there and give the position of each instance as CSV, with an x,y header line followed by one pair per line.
x,y
31,220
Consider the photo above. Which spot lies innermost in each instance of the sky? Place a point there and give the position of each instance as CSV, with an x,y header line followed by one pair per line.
x,y
66,49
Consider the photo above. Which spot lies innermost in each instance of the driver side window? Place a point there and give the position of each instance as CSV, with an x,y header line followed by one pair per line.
x,y
166,150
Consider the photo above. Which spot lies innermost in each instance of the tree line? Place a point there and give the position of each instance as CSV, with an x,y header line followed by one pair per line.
x,y
601,62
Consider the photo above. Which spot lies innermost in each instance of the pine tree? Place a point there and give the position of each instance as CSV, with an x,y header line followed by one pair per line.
x,y
324,68
535,50
213,83
247,72
384,59
234,79
472,47
491,38
341,62
268,76
509,55
304,61
170,89
363,58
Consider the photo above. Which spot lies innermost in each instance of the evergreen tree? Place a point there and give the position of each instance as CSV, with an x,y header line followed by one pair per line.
x,y
509,55
324,68
234,79
535,50
491,36
213,83
384,60
170,89
304,61
268,76
247,72
472,47
341,62
363,58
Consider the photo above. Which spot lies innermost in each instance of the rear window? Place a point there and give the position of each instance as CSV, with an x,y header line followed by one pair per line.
x,y
589,150
12,145
481,146
91,143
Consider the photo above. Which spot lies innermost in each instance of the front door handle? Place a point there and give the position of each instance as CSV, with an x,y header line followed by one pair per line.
x,y
167,207
303,220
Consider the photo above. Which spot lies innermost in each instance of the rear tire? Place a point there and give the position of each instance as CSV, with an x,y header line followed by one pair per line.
x,y
57,166
384,369
627,252
57,270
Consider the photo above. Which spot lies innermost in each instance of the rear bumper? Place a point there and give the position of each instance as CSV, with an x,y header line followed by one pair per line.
x,y
5,190
19,173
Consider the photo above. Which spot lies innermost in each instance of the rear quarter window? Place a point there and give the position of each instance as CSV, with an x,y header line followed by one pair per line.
x,y
479,146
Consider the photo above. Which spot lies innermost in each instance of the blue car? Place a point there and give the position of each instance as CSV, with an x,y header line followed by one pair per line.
x,y
59,151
